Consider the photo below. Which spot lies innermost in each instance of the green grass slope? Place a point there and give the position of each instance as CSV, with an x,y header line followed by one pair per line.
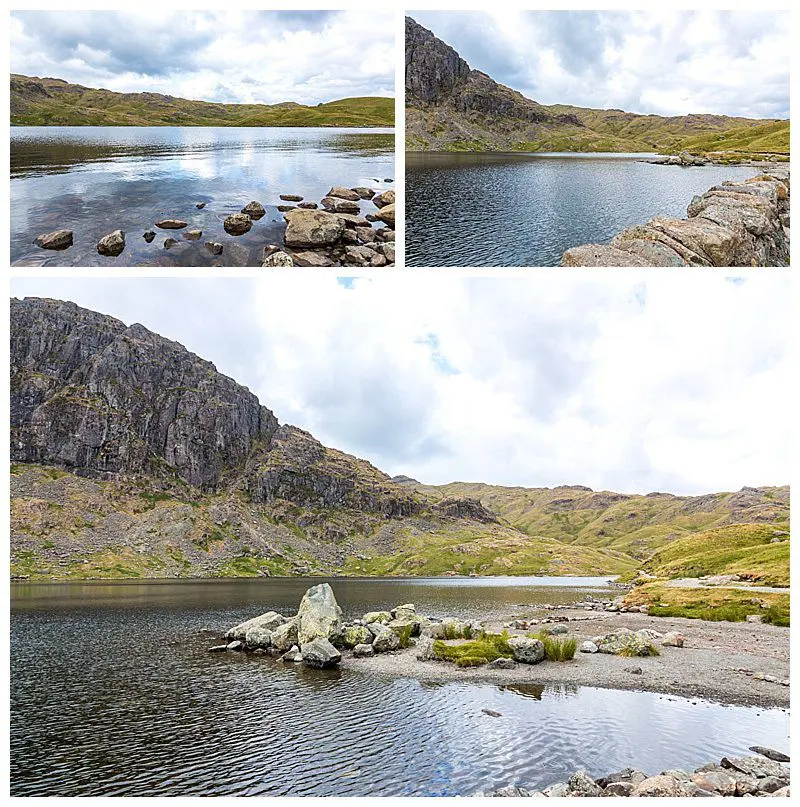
x,y
52,102
771,137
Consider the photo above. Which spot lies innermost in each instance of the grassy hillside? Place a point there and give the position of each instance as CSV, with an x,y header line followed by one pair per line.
x,y
744,549
68,527
771,137
52,102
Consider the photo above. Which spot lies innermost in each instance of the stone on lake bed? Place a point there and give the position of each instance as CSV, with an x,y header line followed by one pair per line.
x,y
112,244
200,205
311,257
58,239
169,243
340,192
254,209
171,224
214,247
320,654
193,235
148,236
237,223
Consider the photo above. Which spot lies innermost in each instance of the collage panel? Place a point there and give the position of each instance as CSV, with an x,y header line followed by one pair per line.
x,y
597,138
181,145
283,523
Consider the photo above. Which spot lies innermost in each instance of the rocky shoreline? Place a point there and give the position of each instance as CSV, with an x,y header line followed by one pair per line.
x,y
760,775
733,224
740,663
334,232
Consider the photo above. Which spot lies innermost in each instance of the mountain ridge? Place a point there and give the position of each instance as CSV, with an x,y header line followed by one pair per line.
x,y
451,107
45,101
132,457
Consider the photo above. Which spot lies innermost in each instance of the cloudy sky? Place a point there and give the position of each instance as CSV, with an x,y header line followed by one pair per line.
x,y
674,384
666,62
227,56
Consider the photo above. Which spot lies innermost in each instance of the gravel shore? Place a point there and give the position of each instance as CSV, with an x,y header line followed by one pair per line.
x,y
713,664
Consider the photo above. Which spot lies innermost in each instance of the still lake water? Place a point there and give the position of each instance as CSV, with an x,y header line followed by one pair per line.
x,y
527,210
94,179
113,692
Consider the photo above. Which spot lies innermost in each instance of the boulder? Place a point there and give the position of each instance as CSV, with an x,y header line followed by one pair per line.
x,y
308,205
290,197
311,257
339,192
353,635
148,236
407,611
559,630
770,753
312,228
384,199
286,635
558,790
716,781
377,616
386,215
169,243
588,647
171,224
292,655
623,642
582,784
279,258
388,251
319,615
759,767
214,247
502,664
335,205
672,639
112,244
366,235
359,255
270,621
193,235
258,637
363,650
254,209
525,650
660,786
320,654
385,640
364,193
424,649
618,789
770,784
237,223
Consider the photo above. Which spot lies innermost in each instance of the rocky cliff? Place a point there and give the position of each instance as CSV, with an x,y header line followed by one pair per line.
x,y
450,106
732,224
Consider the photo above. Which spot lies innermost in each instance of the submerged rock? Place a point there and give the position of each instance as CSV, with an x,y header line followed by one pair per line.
x,y
148,236
112,244
200,205
320,653
169,243
254,209
214,247
171,224
237,223
193,235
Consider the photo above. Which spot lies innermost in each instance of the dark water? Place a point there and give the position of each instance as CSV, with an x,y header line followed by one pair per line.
x,y
526,210
113,692
94,180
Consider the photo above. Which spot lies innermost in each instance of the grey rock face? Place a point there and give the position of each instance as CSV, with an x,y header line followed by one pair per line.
x,y
91,394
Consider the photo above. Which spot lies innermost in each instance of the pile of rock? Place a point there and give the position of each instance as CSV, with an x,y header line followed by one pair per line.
x,y
734,776
317,634
338,235
732,224
684,159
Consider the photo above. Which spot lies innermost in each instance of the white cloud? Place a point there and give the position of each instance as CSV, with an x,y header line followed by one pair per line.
x,y
226,56
664,62
677,383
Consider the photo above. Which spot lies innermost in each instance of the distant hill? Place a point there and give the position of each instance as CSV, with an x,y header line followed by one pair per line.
x,y
53,102
451,107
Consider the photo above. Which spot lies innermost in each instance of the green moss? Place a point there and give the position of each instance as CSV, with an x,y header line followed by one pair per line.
x,y
471,661
153,498
489,646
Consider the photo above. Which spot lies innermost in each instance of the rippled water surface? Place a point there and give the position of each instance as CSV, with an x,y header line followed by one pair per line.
x,y
526,210
113,692
93,180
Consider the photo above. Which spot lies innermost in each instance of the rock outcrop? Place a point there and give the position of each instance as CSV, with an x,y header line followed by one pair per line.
x,y
732,224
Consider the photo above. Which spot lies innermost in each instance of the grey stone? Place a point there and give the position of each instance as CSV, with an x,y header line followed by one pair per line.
x,y
320,653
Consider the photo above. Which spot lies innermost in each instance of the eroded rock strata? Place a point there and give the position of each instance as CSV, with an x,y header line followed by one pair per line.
x,y
732,224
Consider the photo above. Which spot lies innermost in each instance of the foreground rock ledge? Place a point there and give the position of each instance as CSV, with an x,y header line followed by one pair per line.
x,y
732,224
732,776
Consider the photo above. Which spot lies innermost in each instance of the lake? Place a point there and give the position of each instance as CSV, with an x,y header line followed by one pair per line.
x,y
527,210
113,692
94,180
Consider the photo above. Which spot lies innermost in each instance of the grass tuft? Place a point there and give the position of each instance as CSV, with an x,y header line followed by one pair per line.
x,y
489,646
